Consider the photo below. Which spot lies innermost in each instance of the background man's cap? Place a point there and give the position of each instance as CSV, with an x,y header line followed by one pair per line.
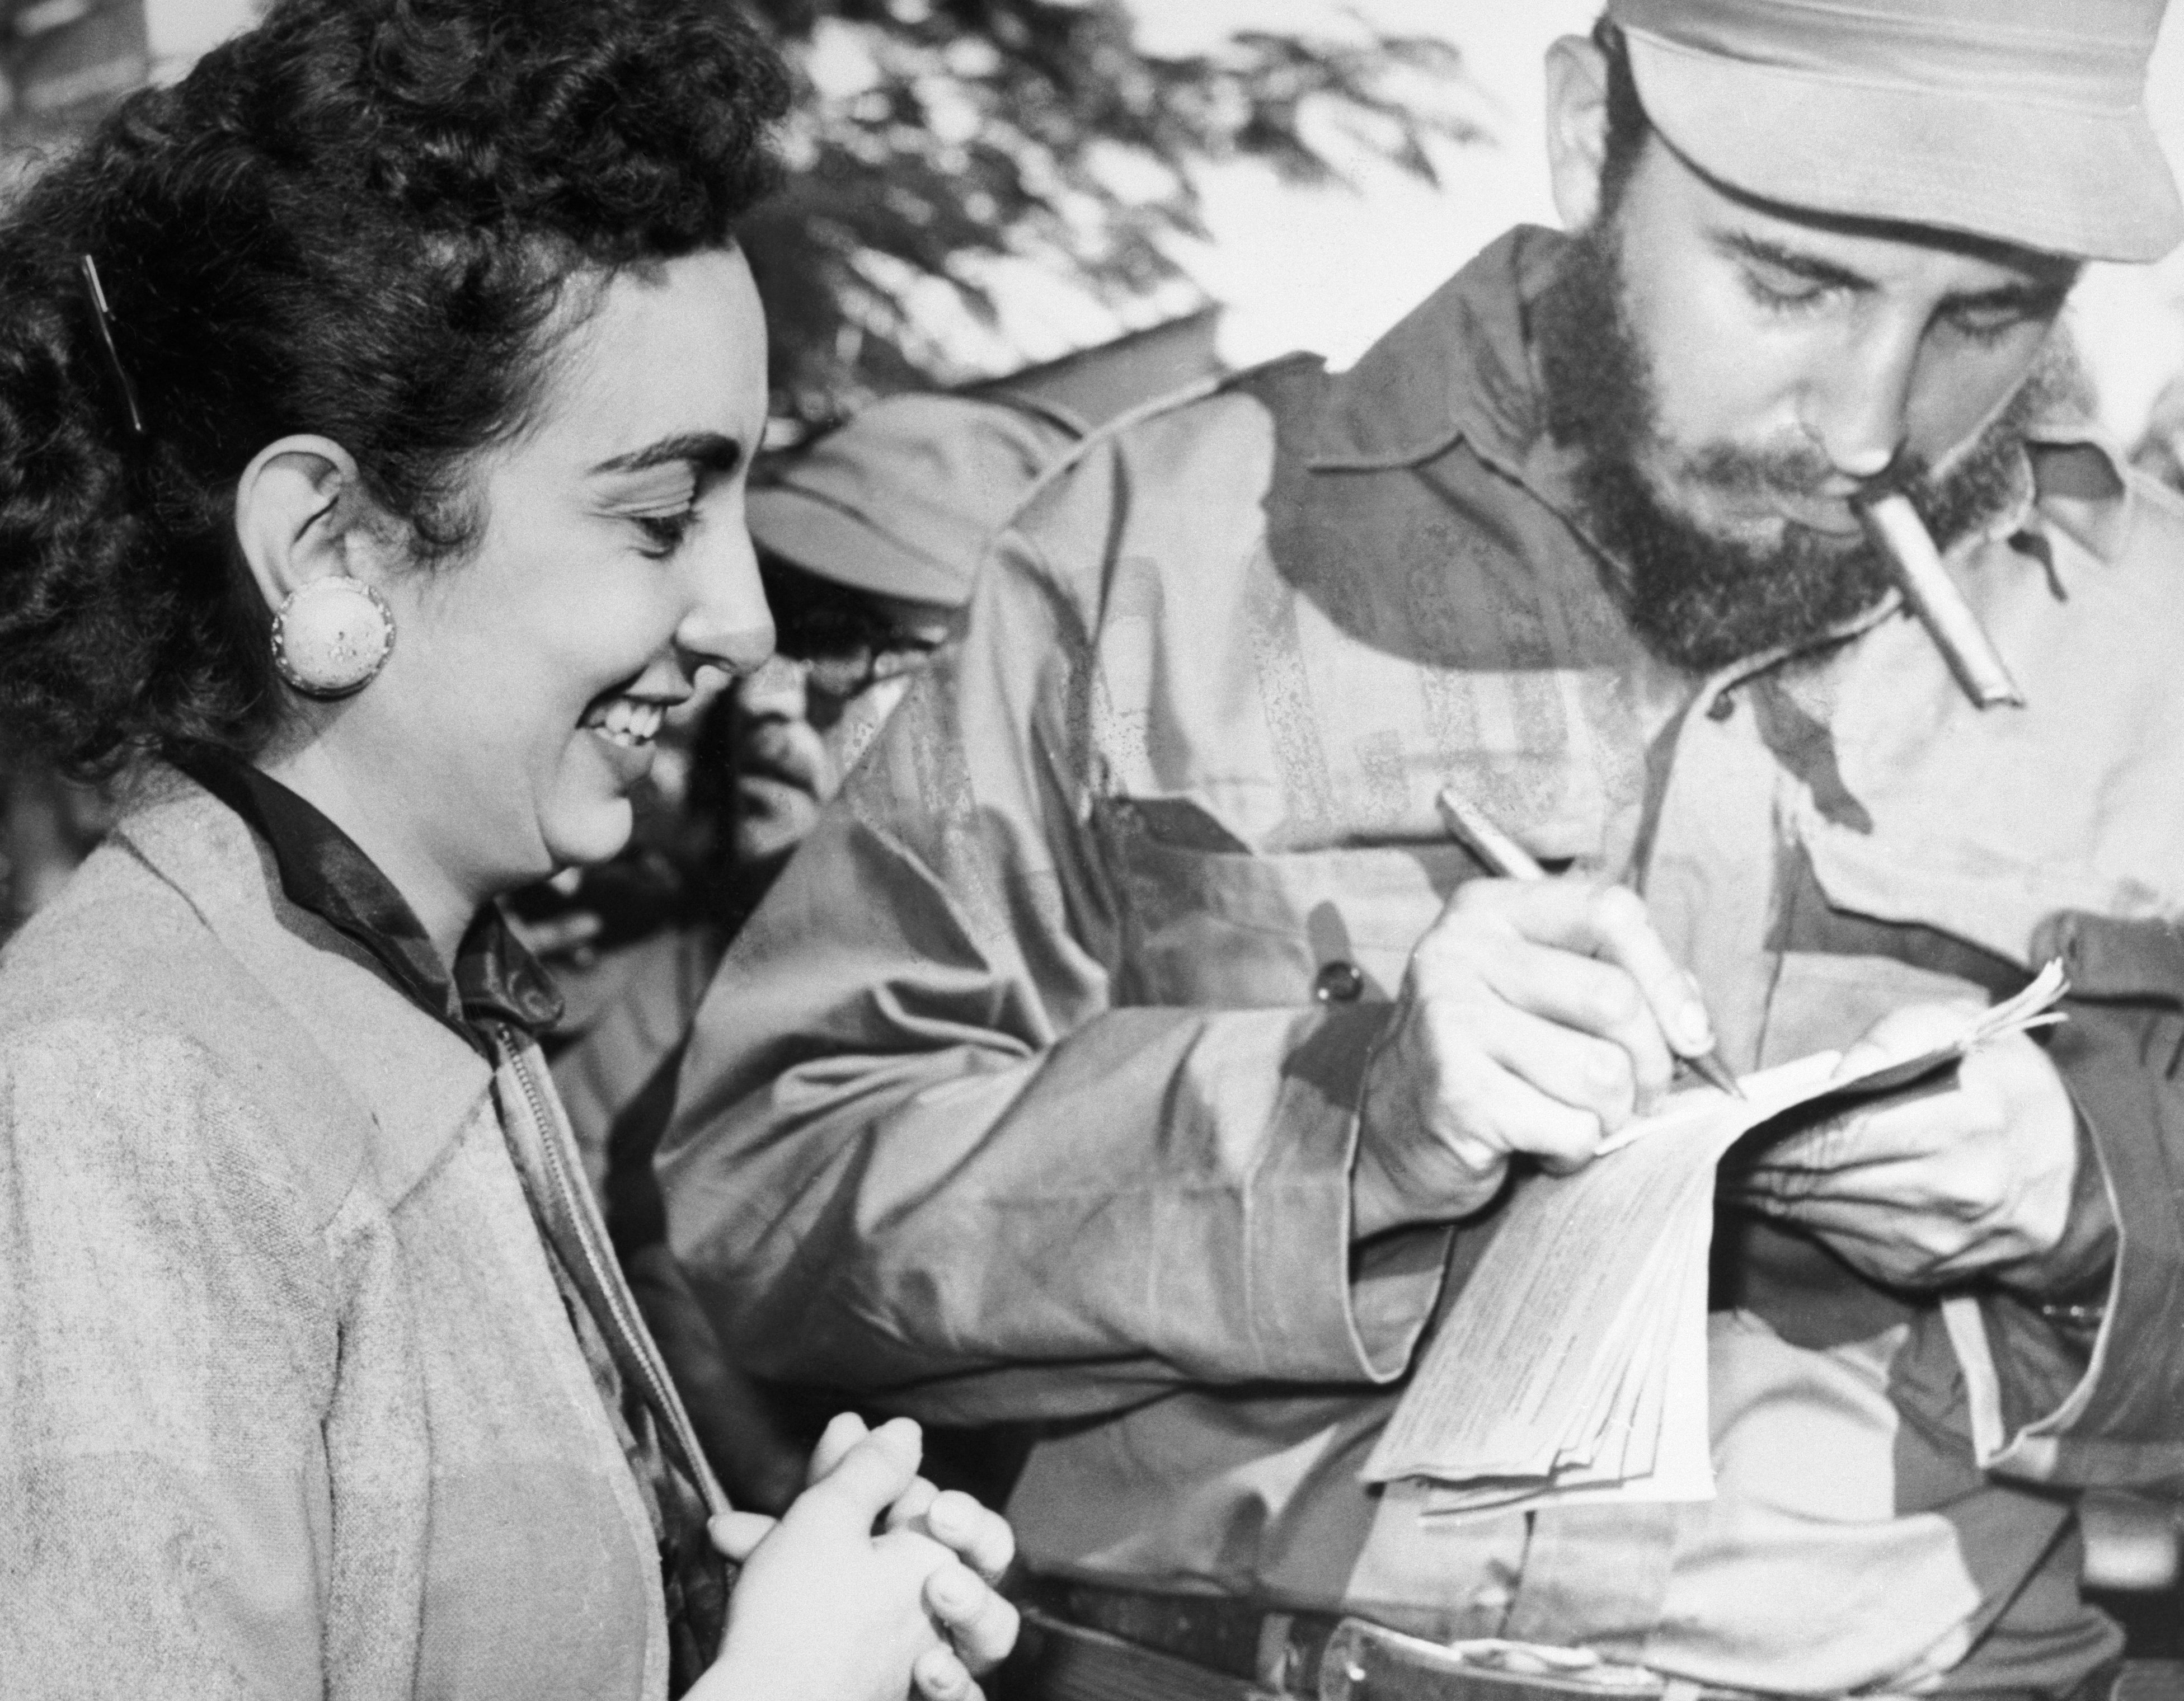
x,y
902,499
2022,120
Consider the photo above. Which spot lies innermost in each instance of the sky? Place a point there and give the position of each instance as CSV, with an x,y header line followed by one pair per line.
x,y
1328,269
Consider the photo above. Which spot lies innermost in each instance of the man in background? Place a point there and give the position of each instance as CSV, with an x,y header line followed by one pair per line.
x,y
867,538
1128,1053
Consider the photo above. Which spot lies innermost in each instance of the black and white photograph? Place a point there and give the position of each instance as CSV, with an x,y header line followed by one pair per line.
x,y
1092,850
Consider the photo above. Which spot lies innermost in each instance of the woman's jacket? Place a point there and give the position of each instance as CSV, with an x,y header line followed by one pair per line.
x,y
291,1403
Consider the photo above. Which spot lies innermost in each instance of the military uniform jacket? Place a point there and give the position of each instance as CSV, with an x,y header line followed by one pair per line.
x,y
1030,1094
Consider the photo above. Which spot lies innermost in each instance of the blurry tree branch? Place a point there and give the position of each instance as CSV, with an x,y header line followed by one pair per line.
x,y
934,138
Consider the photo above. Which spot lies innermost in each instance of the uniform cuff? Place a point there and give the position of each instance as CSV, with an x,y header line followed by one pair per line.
x,y
1375,1300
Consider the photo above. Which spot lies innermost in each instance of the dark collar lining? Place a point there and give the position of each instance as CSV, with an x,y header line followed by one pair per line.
x,y
323,871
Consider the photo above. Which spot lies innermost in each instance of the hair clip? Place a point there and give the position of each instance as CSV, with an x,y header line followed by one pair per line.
x,y
95,292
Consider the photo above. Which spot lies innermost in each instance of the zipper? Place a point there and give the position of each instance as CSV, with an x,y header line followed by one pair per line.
x,y
607,1279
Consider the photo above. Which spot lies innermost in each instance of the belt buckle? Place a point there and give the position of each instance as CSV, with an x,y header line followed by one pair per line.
x,y
1367,1662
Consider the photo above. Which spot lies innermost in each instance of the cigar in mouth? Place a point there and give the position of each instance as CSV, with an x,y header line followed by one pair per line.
x,y
1900,536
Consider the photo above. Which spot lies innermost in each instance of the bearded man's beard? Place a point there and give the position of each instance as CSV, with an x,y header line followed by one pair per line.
x,y
1699,601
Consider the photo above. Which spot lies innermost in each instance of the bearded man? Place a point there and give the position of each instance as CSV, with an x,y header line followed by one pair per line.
x,y
1129,1055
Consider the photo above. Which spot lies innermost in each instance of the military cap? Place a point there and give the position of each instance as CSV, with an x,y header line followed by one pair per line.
x,y
901,500
2020,120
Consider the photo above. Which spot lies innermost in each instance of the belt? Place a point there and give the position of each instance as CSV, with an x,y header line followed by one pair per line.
x,y
1090,1642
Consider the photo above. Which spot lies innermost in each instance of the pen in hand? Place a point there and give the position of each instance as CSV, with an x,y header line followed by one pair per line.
x,y
1470,826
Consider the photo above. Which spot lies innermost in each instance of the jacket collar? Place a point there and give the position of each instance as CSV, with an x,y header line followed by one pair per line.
x,y
417,1081
323,870
1457,366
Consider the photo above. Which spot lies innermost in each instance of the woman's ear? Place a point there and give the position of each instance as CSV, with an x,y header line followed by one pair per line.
x,y
1577,128
300,515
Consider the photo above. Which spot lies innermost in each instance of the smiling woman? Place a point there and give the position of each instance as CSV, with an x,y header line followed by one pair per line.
x,y
375,412
610,563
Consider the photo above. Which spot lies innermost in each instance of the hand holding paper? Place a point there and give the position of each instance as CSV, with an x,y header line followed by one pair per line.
x,y
1572,1365
1931,1188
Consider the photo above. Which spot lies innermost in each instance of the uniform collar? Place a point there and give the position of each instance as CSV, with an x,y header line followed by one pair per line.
x,y
323,871
2081,485
1458,366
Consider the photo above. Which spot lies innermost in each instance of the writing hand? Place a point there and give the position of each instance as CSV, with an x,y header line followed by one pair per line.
x,y
1535,1017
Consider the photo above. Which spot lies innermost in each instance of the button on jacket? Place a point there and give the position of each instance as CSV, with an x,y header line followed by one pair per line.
x,y
1030,1093
298,1395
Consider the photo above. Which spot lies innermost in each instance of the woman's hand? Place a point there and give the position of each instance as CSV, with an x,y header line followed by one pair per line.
x,y
981,1539
827,1609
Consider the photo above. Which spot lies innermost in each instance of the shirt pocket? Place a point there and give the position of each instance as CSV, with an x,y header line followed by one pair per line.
x,y
1978,873
1211,924
1986,824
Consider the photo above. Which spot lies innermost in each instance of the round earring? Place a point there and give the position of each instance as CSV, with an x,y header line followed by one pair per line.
x,y
332,635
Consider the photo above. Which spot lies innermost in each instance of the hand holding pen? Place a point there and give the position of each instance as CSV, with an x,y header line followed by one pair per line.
x,y
1674,997
1537,1016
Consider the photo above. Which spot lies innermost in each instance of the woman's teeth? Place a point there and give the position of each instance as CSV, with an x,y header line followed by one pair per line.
x,y
626,721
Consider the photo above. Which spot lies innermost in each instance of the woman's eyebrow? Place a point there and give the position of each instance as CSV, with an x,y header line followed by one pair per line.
x,y
706,451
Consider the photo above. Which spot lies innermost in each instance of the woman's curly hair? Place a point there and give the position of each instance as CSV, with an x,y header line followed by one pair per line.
x,y
356,219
